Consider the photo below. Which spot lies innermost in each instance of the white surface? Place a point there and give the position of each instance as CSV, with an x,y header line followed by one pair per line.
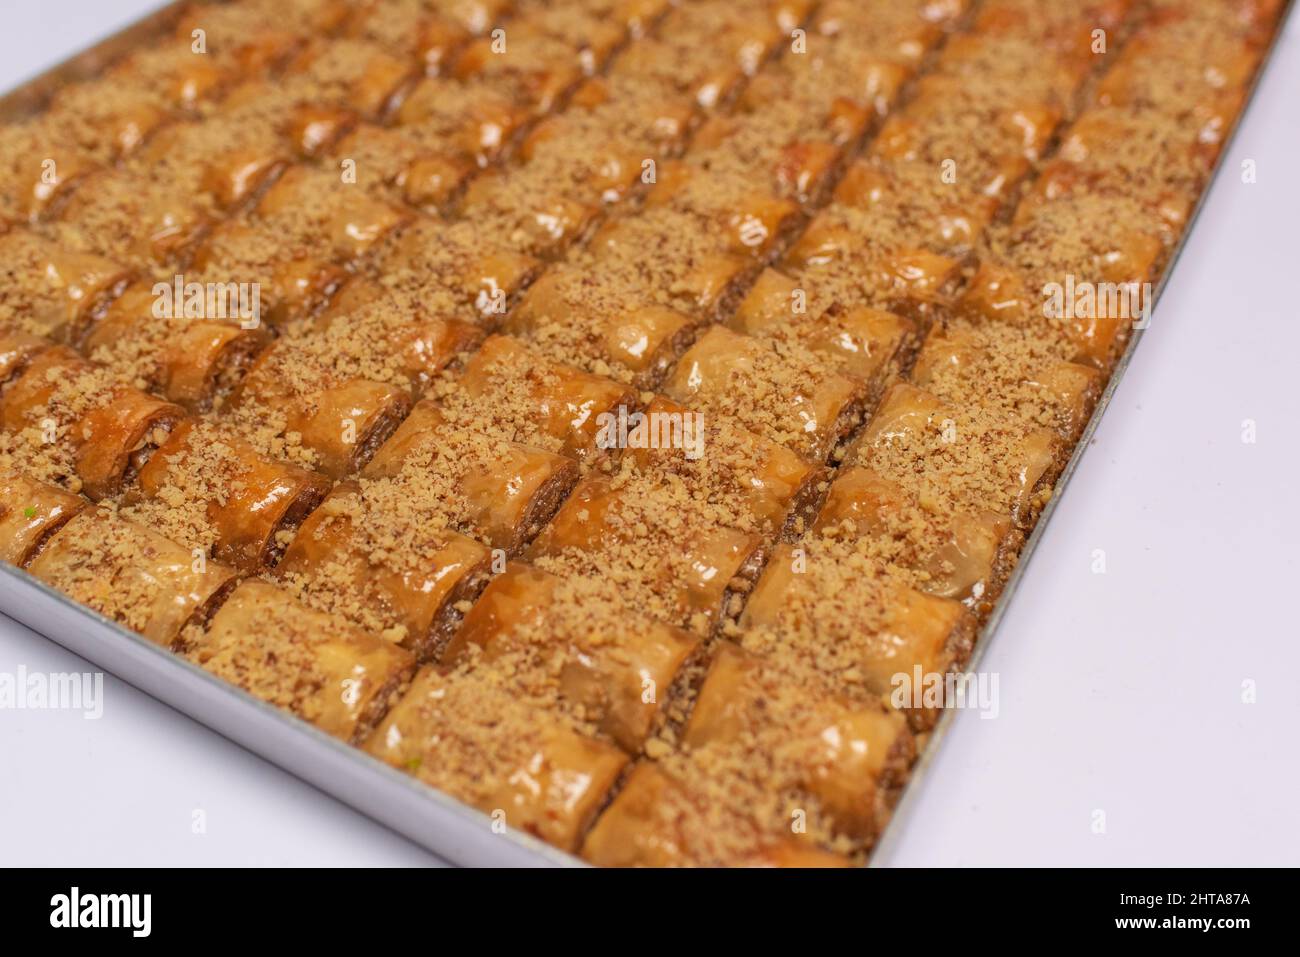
x,y
1120,692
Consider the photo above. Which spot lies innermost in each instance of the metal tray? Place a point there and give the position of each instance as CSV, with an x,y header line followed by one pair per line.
x,y
443,825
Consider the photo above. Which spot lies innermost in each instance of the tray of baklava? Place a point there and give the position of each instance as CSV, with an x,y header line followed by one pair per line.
x,y
581,411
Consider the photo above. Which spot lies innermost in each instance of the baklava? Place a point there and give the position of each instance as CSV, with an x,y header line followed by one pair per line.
x,y
590,408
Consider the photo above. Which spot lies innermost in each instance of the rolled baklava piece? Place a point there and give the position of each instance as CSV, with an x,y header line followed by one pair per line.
x,y
470,123
752,222
614,334
860,258
184,79
40,166
243,37
336,418
293,246
717,183
170,343
895,31
362,75
138,214
207,488
748,482
1077,271
785,394
862,342
392,164
663,819
17,349
494,733
799,117
537,70
889,196
1009,367
49,290
962,555
622,126
385,556
668,552
916,438
691,270
30,512
308,17
614,665
854,623
509,388
539,221
703,53
858,744
88,429
317,208
254,39
423,32
291,281
313,665
217,164
578,41
132,575
109,119
500,492
367,327
462,263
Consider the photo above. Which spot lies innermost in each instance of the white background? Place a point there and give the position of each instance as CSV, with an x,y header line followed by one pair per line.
x,y
1120,692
